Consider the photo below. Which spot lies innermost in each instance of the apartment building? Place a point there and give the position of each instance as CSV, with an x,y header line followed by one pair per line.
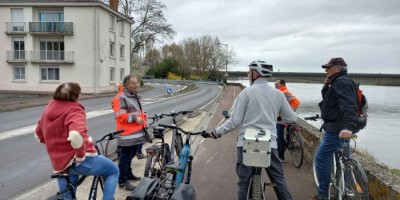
x,y
45,42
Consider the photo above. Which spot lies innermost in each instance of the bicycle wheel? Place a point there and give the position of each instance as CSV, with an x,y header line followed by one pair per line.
x,y
111,150
153,166
355,181
296,150
178,144
256,191
314,168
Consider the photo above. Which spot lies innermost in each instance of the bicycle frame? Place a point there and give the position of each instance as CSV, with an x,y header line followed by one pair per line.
x,y
183,161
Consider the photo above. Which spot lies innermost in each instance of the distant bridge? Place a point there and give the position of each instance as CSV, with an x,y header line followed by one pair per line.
x,y
368,79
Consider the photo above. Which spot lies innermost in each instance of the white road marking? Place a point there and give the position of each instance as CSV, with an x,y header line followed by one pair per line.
x,y
95,113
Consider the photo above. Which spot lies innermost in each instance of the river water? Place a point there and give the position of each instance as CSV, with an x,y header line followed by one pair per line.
x,y
381,137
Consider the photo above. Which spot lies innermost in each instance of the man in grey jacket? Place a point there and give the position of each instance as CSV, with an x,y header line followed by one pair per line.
x,y
257,107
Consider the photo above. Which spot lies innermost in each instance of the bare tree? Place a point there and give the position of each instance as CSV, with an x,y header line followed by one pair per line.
x,y
150,22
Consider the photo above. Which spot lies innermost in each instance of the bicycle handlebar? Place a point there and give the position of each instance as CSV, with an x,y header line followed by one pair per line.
x,y
172,114
110,136
314,118
183,131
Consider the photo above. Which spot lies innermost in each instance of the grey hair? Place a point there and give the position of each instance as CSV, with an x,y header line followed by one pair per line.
x,y
343,67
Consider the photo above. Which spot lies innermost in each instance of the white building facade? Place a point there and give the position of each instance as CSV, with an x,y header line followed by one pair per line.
x,y
44,43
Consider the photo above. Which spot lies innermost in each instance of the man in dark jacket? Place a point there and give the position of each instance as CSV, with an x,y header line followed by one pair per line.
x,y
339,112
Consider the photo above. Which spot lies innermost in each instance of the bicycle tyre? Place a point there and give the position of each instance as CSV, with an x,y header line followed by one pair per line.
x,y
314,168
296,149
178,144
147,167
356,181
111,150
256,191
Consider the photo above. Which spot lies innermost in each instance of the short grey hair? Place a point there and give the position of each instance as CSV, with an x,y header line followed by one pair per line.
x,y
343,67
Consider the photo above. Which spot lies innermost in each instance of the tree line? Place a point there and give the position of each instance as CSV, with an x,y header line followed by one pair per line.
x,y
192,58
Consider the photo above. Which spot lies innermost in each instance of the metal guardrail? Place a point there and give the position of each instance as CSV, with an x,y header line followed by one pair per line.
x,y
16,56
52,56
15,27
51,27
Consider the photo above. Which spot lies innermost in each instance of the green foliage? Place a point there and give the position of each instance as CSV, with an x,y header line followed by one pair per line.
x,y
396,172
141,83
162,69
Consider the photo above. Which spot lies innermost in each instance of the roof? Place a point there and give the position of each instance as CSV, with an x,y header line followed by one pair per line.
x,y
67,3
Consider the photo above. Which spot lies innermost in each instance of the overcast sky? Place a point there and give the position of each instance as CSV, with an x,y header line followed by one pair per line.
x,y
297,35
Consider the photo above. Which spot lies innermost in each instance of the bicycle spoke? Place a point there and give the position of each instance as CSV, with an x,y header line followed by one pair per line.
x,y
355,185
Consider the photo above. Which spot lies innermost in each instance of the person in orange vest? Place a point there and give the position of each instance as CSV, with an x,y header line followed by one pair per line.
x,y
130,117
139,153
294,102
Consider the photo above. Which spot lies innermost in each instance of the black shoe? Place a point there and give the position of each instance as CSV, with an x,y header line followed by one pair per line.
x,y
127,186
140,155
134,178
319,197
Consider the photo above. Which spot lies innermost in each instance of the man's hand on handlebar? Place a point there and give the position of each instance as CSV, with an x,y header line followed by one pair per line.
x,y
211,134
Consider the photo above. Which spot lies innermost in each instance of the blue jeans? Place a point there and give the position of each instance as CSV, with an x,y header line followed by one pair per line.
x,y
329,144
126,155
281,142
93,166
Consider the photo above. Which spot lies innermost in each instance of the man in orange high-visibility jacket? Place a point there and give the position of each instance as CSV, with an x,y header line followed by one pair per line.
x,y
139,153
294,102
130,117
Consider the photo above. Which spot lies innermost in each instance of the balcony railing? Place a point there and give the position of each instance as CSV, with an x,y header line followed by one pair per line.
x,y
52,56
16,56
51,27
16,27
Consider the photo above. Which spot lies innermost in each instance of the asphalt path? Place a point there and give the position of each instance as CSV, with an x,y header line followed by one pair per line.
x,y
24,164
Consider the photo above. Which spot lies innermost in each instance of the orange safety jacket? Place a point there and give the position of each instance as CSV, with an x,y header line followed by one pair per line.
x,y
293,100
127,108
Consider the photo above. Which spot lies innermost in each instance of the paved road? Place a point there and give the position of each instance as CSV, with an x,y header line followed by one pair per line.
x,y
214,175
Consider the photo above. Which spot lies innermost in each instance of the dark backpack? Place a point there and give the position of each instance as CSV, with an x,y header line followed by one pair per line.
x,y
362,108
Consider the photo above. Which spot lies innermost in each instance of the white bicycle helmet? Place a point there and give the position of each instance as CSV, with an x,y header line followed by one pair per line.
x,y
262,68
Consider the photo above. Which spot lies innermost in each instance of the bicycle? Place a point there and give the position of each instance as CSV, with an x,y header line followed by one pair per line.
x,y
181,171
348,178
294,143
70,187
160,154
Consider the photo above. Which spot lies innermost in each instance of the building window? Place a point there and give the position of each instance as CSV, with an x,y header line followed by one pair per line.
x,y
18,47
112,74
121,74
121,27
121,51
52,50
50,20
19,72
112,51
49,73
112,23
17,17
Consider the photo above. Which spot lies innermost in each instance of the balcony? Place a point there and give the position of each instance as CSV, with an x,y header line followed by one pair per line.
x,y
60,28
15,28
66,57
16,56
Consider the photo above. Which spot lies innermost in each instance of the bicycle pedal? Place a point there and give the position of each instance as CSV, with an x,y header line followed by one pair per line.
x,y
269,184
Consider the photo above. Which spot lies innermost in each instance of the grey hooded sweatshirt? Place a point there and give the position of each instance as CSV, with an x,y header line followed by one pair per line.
x,y
258,107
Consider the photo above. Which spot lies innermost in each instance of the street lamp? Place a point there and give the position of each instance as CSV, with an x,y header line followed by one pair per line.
x,y
226,59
